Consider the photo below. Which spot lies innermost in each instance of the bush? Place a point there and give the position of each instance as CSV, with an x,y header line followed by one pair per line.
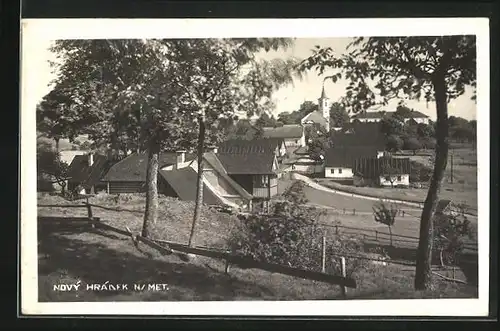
x,y
290,237
419,172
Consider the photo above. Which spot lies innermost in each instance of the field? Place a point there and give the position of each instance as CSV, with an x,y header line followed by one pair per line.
x,y
69,254
462,190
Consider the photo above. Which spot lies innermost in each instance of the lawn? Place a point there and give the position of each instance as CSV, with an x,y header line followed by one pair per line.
x,y
71,254
462,190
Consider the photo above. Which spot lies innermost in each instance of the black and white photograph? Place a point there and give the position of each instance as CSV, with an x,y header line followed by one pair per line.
x,y
255,166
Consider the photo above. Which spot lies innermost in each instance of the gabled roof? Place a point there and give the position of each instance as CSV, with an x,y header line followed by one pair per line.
x,y
442,206
239,146
247,164
286,131
315,117
360,134
183,182
323,94
381,114
213,160
133,167
303,150
374,167
87,176
345,156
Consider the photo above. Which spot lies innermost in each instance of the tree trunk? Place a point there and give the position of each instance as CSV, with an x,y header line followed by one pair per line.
x,y
441,260
57,144
151,212
199,179
424,253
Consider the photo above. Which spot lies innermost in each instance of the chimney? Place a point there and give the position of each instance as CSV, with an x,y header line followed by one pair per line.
x,y
181,158
212,149
91,159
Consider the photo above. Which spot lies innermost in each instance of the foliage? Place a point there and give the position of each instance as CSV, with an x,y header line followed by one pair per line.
x,y
49,163
382,213
394,143
419,172
412,144
451,229
295,116
289,237
295,193
338,115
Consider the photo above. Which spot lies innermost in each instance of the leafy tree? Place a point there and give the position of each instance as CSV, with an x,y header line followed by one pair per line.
x,y
412,144
436,68
425,130
451,231
382,213
49,163
390,125
338,115
394,143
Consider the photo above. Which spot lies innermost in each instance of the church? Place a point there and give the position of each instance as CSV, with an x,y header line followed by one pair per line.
x,y
320,116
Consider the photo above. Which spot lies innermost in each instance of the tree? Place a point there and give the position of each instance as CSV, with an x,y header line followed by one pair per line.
x,y
403,111
394,143
412,144
389,171
435,68
425,130
338,115
49,162
386,215
451,230
391,125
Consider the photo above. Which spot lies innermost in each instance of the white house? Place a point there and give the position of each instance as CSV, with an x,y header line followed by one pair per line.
x,y
385,171
377,116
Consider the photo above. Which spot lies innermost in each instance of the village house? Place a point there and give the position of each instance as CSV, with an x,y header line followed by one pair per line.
x,y
239,176
129,174
237,146
303,163
383,171
377,116
292,134
339,161
85,172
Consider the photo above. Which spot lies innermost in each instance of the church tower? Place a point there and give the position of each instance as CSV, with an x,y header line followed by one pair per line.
x,y
324,107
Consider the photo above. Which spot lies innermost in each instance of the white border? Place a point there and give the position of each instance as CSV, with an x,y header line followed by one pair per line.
x,y
34,30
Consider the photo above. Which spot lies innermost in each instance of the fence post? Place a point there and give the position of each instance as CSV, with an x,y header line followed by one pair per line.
x,y
343,289
336,229
89,211
453,272
323,255
376,235
226,269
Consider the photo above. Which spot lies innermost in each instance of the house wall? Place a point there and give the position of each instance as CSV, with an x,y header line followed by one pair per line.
x,y
295,142
307,168
219,184
419,120
400,180
126,187
334,172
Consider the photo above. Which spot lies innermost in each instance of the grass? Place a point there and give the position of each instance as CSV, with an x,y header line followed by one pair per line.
x,y
70,254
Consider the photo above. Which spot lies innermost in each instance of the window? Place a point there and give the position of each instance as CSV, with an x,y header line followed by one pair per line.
x,y
332,171
399,178
340,171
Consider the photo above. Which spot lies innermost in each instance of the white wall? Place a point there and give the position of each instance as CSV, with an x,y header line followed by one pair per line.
x,y
404,180
346,172
307,168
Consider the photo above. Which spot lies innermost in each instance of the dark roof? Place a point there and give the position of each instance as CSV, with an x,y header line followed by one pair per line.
x,y
360,134
345,157
374,167
323,94
239,146
80,172
380,114
285,131
247,164
183,182
215,162
133,167
303,150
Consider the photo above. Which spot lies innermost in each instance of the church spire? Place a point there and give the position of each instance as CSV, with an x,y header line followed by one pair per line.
x,y
323,94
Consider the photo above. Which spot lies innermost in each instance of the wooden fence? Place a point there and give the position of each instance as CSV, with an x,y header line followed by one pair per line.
x,y
168,248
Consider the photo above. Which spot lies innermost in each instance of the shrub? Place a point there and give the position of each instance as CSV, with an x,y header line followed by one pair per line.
x,y
291,237
419,172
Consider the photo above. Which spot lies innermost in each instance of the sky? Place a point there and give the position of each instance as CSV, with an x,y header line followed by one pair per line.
x,y
290,97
